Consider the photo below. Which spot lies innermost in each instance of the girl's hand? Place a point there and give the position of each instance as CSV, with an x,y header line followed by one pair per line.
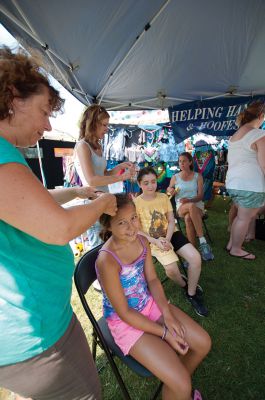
x,y
167,245
177,342
109,202
176,334
160,243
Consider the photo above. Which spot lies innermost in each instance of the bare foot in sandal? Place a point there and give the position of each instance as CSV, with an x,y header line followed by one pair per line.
x,y
244,255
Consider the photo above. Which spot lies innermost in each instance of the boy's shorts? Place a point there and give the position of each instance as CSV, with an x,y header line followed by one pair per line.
x,y
164,257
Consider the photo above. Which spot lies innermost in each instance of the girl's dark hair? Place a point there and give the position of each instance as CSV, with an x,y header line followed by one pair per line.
x,y
88,124
253,111
123,199
189,157
145,171
23,76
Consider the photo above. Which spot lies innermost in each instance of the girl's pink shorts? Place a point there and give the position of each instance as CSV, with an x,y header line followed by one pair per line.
x,y
124,335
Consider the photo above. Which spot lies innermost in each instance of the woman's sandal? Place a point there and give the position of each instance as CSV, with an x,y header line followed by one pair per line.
x,y
245,256
196,395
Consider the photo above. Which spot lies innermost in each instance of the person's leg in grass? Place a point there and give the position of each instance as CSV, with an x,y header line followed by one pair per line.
x,y
251,230
238,232
231,216
195,214
193,291
162,360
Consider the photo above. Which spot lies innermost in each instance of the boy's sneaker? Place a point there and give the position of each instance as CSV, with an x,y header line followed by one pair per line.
x,y
199,289
206,252
197,304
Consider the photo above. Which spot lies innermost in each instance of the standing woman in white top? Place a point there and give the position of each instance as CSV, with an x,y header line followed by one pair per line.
x,y
245,180
90,163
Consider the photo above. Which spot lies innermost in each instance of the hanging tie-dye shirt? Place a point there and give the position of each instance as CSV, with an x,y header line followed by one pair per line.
x,y
134,284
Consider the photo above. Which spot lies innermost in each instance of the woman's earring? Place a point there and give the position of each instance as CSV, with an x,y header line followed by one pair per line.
x,y
10,111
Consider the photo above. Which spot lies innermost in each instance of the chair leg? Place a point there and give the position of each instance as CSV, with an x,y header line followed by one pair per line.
x,y
158,390
117,374
94,345
207,231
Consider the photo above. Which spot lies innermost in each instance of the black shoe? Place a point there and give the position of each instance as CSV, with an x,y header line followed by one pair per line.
x,y
198,305
199,289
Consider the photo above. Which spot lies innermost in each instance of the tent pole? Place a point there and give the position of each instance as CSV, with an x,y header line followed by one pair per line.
x,y
41,168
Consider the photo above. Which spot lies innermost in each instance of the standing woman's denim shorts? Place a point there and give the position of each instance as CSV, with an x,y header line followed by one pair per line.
x,y
246,198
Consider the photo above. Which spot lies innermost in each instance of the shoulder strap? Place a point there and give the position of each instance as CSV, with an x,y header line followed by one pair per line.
x,y
113,255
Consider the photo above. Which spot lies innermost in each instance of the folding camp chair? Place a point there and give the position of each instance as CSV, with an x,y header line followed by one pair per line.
x,y
84,276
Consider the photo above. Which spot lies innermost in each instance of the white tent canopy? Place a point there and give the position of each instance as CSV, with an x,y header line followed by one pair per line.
x,y
146,54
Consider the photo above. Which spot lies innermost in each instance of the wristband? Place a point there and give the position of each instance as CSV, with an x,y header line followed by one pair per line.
x,y
164,333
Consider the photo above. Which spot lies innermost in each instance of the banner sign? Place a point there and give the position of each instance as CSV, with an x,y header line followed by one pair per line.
x,y
214,117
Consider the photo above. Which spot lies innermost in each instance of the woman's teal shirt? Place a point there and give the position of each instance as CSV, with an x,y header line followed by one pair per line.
x,y
35,286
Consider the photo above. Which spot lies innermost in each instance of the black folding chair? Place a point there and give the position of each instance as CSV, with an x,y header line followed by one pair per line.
x,y
84,276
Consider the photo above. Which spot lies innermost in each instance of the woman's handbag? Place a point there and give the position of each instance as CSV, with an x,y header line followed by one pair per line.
x,y
260,229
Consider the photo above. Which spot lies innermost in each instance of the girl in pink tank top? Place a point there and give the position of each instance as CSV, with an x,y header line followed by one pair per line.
x,y
143,323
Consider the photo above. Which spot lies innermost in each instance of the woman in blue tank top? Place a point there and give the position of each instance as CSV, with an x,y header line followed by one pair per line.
x,y
187,186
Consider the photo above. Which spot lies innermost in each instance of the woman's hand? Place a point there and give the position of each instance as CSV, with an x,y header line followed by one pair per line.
x,y
86,192
124,165
110,203
184,200
128,174
170,191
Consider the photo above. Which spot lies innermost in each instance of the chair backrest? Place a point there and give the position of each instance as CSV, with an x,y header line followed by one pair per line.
x,y
85,273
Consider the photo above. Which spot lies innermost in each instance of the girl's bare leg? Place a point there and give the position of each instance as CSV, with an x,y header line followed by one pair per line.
x,y
173,370
173,272
193,257
198,339
159,358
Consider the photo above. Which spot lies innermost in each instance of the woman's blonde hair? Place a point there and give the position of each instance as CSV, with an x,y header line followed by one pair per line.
x,y
253,111
88,124
22,75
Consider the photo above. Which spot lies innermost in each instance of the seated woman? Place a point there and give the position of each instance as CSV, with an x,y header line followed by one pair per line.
x,y
187,186
143,324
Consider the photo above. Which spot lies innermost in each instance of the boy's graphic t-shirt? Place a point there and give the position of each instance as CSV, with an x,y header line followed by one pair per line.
x,y
153,215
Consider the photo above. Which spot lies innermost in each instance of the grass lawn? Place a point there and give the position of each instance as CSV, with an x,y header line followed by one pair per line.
x,y
235,295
